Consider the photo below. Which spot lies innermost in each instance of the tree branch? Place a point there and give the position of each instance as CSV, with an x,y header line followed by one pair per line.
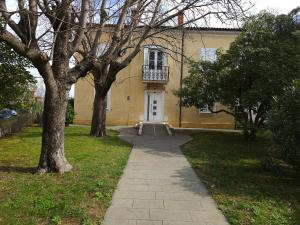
x,y
81,26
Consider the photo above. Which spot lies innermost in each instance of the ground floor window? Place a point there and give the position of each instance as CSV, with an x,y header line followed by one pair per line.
x,y
206,110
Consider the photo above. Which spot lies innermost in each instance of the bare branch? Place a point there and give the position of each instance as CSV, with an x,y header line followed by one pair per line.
x,y
81,26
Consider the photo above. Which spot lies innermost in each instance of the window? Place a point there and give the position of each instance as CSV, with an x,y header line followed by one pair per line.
x,y
159,60
151,59
206,110
155,58
208,54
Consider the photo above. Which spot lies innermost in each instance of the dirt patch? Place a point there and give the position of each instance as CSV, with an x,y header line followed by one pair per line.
x,y
96,212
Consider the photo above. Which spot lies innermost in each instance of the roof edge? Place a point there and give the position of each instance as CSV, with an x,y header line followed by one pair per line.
x,y
187,28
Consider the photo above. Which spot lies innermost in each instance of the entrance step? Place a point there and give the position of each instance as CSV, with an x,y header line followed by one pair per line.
x,y
154,129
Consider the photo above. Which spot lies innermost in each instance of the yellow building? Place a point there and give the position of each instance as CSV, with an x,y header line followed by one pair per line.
x,y
143,91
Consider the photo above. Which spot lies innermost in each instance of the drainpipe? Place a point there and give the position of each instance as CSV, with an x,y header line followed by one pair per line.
x,y
180,22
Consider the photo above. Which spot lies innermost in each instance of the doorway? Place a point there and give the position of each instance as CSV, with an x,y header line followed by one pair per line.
x,y
154,106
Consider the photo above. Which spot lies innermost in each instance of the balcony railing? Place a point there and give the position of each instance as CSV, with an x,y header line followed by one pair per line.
x,y
155,75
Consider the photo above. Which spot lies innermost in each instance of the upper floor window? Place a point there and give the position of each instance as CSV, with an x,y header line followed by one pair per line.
x,y
155,58
209,54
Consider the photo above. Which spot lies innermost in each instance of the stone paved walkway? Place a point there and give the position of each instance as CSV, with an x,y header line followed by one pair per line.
x,y
159,187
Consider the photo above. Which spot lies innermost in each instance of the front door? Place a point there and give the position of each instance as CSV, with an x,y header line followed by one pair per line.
x,y
154,106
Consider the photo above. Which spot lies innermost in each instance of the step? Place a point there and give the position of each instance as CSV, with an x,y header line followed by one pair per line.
x,y
154,129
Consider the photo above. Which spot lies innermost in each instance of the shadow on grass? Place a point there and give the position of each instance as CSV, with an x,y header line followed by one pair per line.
x,y
16,169
31,134
231,168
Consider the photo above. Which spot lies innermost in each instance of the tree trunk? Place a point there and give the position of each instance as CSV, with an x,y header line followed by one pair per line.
x,y
250,133
52,158
98,127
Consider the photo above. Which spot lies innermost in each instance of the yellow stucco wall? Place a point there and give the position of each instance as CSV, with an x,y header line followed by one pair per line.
x,y
128,91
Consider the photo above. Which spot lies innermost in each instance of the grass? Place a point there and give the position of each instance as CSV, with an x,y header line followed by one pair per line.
x,y
79,197
231,168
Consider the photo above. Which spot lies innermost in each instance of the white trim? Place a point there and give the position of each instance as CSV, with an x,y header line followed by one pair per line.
x,y
146,104
156,48
146,56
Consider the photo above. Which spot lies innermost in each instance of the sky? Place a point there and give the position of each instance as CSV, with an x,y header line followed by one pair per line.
x,y
278,6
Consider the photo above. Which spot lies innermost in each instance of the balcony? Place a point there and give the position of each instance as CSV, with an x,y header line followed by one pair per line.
x,y
155,75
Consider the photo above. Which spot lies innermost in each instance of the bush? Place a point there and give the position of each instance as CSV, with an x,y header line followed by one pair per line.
x,y
285,124
70,114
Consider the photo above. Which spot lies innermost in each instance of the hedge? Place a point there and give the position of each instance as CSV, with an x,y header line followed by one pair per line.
x,y
15,124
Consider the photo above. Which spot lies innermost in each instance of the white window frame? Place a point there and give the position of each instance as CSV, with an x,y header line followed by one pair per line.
x,y
208,54
157,49
205,110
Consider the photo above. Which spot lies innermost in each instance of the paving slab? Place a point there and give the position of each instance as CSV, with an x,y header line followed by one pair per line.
x,y
159,187
148,204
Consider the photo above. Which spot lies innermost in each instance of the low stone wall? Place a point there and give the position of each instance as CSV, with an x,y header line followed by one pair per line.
x,y
15,124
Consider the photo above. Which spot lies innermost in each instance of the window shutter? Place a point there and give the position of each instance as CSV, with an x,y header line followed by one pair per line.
x,y
165,59
146,56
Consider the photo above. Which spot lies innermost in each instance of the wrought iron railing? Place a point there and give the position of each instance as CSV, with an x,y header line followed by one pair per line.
x,y
155,75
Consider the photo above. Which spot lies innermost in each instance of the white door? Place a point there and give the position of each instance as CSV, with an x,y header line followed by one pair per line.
x,y
154,107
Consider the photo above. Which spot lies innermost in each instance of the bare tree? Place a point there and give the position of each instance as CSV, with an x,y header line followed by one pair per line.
x,y
48,33
124,27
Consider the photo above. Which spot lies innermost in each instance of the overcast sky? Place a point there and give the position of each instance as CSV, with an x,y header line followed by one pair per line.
x,y
281,6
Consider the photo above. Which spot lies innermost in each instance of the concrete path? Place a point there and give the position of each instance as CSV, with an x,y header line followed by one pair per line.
x,y
159,187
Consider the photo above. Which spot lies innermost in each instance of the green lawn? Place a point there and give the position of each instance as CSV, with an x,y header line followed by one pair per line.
x,y
78,197
232,170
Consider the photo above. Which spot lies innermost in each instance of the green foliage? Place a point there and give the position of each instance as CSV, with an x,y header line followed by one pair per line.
x,y
70,113
263,59
15,81
56,220
285,124
31,199
87,221
37,109
231,169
